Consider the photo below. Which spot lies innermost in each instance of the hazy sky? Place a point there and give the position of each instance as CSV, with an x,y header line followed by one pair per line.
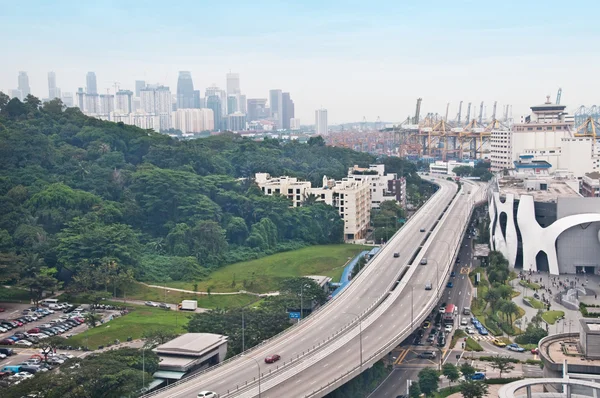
x,y
355,58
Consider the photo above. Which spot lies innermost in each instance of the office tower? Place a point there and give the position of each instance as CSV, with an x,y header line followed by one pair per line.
x,y
276,104
241,103
185,90
321,121
123,102
214,102
24,85
16,94
90,80
287,110
294,124
197,100
232,104
139,85
236,121
257,109
233,84
53,91
67,99
193,120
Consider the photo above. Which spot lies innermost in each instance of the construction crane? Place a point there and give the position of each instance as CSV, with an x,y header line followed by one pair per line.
x,y
447,109
469,113
494,112
481,113
417,111
459,112
558,94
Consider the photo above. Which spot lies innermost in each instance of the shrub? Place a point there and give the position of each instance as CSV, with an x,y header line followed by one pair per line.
x,y
490,359
503,380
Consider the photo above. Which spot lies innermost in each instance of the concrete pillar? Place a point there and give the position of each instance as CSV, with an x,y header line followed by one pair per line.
x,y
568,391
528,391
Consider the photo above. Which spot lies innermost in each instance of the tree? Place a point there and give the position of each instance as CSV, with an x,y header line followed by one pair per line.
x,y
428,381
451,372
473,389
316,141
32,102
209,242
463,171
467,370
41,282
54,106
414,391
154,337
503,364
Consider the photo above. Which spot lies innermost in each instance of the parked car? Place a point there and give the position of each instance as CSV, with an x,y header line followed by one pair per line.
x,y
7,351
3,329
478,376
164,306
7,342
515,347
151,304
483,332
272,358
24,342
426,325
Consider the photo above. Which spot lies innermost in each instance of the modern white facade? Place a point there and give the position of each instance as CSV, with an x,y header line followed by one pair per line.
x,y
290,187
236,121
321,122
157,100
123,102
441,167
580,155
383,186
144,121
193,120
294,123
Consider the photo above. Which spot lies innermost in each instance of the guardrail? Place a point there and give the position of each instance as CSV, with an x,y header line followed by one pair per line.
x,y
295,327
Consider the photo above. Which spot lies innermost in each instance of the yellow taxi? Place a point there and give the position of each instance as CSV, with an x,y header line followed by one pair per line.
x,y
499,343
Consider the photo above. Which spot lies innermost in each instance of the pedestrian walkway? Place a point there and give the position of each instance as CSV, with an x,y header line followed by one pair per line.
x,y
478,337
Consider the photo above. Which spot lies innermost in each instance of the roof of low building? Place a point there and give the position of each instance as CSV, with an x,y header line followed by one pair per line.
x,y
192,344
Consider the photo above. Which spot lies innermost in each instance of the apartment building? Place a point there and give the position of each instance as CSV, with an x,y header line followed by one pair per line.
x,y
590,185
290,187
383,186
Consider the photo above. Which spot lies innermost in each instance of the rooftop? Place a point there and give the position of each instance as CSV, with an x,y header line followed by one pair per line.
x,y
522,185
191,344
593,175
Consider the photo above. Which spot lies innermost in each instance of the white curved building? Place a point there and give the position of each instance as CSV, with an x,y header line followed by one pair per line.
x,y
542,223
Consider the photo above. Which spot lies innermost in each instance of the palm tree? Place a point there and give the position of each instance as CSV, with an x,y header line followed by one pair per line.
x,y
310,200
104,148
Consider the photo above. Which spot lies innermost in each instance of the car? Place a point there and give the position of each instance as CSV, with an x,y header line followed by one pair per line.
x,y
24,375
427,355
208,394
426,325
6,351
498,343
449,285
7,342
428,286
422,230
272,358
164,306
151,304
396,254
478,376
483,332
3,356
442,309
452,274
474,320
448,329
535,351
3,329
441,340
24,342
515,347
423,261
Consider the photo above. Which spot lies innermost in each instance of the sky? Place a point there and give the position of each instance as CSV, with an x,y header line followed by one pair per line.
x,y
355,58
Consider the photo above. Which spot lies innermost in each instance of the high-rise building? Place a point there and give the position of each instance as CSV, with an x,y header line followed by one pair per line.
x,y
321,121
91,86
16,94
157,100
185,90
233,84
241,103
214,90
287,110
139,85
214,102
91,104
107,104
236,121
53,91
257,109
123,102
232,105
276,105
24,84
80,99
294,124
197,100
67,99
193,120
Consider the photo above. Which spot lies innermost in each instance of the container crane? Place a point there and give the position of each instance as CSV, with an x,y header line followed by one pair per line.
x,y
481,113
417,111
447,109
494,112
469,113
558,94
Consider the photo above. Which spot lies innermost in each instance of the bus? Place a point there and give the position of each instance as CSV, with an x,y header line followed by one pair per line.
x,y
450,314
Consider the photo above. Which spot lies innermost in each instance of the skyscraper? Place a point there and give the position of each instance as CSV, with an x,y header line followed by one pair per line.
x,y
24,85
241,103
67,99
287,111
90,81
276,104
233,84
321,121
236,121
197,100
257,109
123,104
157,100
185,90
214,102
53,91
139,86
232,105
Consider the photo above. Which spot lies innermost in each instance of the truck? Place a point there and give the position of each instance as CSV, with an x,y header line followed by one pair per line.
x,y
450,314
188,305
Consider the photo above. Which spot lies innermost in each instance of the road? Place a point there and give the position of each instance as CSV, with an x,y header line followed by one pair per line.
x,y
325,346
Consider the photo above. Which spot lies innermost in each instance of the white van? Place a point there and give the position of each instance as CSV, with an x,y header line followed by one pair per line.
x,y
47,302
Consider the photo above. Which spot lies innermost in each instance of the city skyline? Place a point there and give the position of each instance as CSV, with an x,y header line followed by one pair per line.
x,y
327,55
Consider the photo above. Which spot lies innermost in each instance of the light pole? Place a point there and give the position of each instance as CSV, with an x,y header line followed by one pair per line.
x,y
301,300
143,367
359,335
258,366
243,330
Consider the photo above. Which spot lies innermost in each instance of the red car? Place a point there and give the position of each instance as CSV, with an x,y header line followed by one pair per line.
x,y
7,342
272,358
34,330
1,309
17,322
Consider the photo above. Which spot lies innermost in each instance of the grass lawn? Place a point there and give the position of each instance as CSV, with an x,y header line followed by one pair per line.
x,y
473,345
145,293
131,325
532,286
538,305
551,316
14,294
264,274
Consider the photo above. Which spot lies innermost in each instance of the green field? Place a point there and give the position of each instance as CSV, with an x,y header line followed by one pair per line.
x,y
131,325
264,275
552,316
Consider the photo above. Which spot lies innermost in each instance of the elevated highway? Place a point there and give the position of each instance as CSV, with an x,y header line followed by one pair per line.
x,y
380,308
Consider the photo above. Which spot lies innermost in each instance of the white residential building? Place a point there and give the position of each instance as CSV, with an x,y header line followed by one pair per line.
x,y
294,123
290,187
321,121
157,100
383,186
193,120
146,121
441,167
352,199
123,103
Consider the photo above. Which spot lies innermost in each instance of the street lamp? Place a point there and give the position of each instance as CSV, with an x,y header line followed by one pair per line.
x,y
258,366
301,299
359,334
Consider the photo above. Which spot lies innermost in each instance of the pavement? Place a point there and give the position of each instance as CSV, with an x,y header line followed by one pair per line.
x,y
332,334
